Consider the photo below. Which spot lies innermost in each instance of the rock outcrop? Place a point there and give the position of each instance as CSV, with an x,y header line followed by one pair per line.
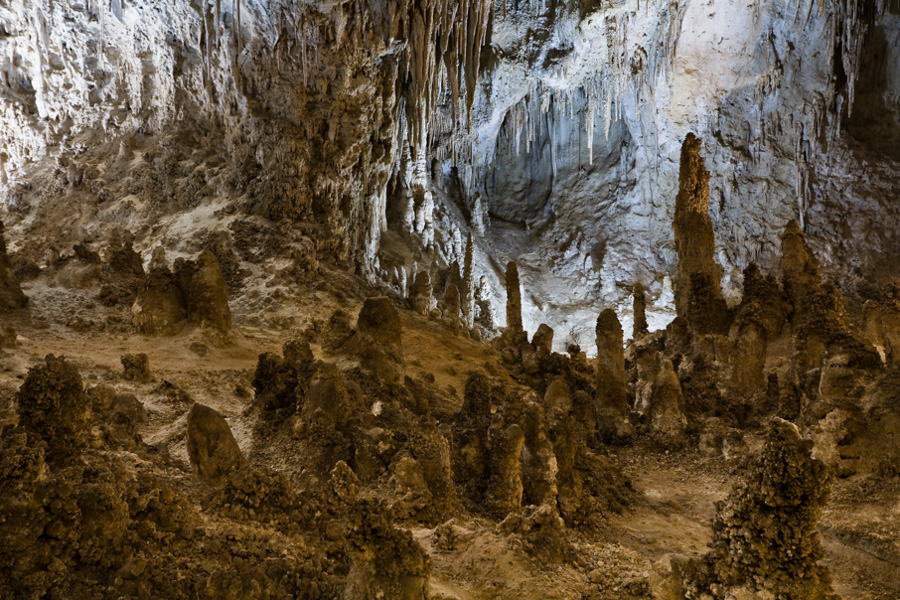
x,y
55,410
213,451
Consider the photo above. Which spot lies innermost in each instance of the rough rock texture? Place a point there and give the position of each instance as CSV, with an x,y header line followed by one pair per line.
x,y
542,341
420,294
451,313
160,307
54,409
136,367
695,241
211,446
513,299
611,394
667,420
764,534
208,295
639,306
11,294
385,562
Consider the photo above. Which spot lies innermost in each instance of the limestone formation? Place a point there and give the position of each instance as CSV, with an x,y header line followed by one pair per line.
x,y
748,360
281,383
161,306
136,368
639,305
470,438
667,420
694,237
513,299
890,322
54,409
420,294
764,533
611,393
454,278
483,304
873,327
121,256
211,446
451,308
468,285
542,342
11,294
799,267
385,562
504,492
208,295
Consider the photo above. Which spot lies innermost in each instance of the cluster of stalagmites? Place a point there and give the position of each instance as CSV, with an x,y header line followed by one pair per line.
x,y
710,375
464,307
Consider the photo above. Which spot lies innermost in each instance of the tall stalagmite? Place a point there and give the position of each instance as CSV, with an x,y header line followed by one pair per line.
x,y
468,289
610,363
640,312
694,238
513,299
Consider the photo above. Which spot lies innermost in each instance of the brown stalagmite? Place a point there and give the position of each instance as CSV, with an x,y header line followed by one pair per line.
x,y
667,420
420,294
640,312
542,342
610,363
800,269
694,238
211,446
468,289
748,360
451,308
513,299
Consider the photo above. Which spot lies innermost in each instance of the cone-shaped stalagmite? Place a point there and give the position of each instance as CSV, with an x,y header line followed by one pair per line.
x,y
211,445
694,238
800,269
513,299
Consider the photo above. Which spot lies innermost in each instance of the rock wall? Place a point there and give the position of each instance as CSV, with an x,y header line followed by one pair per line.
x,y
550,130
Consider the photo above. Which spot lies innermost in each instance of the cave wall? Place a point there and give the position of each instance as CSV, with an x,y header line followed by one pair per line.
x,y
561,119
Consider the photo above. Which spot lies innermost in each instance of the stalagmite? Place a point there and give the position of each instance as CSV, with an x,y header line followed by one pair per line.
x,y
667,420
451,308
208,298
420,294
640,312
542,342
610,363
211,446
468,285
54,409
799,267
513,299
694,237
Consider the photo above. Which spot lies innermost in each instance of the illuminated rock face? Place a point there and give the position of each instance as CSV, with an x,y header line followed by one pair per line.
x,y
552,136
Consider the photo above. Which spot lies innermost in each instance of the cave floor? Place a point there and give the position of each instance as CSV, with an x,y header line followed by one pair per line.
x,y
678,490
